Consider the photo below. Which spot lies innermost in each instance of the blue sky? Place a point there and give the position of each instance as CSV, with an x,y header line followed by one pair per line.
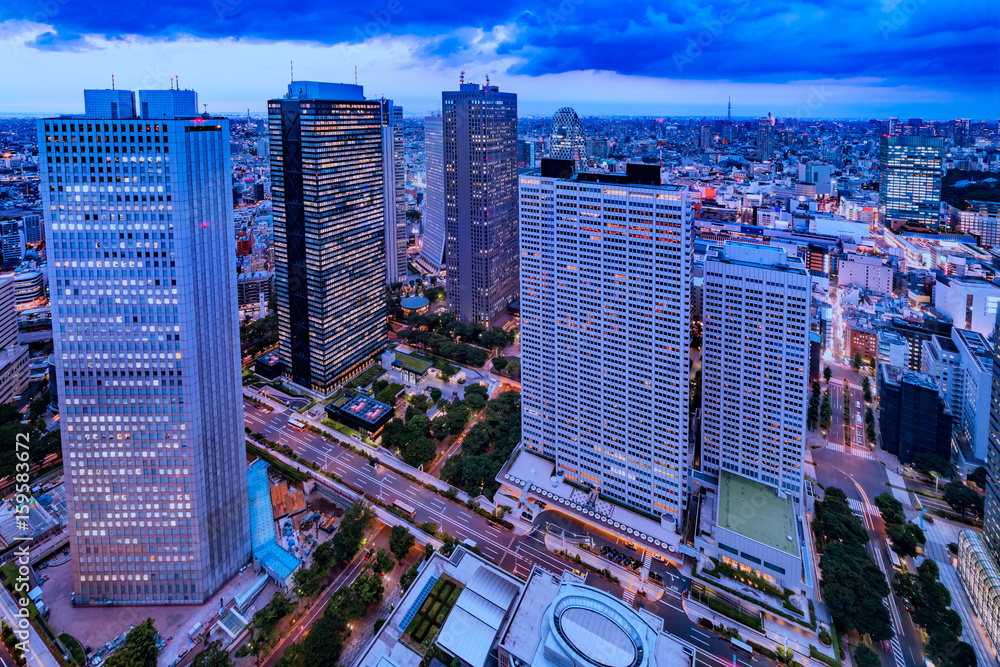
x,y
835,58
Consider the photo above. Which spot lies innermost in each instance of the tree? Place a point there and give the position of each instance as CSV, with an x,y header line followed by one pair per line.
x,y
926,462
836,520
854,589
978,477
493,337
368,589
212,656
138,649
827,374
514,369
499,363
865,657
347,540
401,541
866,387
435,394
382,563
856,363
476,402
825,412
890,508
962,499
905,537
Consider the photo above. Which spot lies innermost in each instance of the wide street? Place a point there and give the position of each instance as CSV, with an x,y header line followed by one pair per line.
x,y
862,477
517,554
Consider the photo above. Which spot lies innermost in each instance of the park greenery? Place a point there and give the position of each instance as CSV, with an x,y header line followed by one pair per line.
x,y
930,601
42,442
401,541
258,335
486,446
340,549
964,500
853,586
325,641
263,623
139,648
812,415
212,655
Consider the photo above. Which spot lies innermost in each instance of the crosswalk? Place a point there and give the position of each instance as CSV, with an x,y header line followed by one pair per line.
x,y
860,452
628,596
897,649
860,508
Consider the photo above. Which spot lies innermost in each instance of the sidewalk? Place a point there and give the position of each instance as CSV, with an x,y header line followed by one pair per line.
x,y
38,654
939,534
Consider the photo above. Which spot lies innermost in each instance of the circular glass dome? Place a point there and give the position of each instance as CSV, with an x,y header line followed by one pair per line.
x,y
598,633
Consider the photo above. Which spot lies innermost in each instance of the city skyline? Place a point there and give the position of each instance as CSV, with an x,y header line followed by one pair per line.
x,y
918,60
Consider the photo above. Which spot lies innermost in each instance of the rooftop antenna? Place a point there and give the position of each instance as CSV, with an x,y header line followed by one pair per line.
x,y
177,81
112,81
461,77
291,67
487,78
355,75
205,107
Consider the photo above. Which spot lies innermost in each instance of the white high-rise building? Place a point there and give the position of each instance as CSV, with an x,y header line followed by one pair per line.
x,y
755,364
605,330
433,237
138,230
393,192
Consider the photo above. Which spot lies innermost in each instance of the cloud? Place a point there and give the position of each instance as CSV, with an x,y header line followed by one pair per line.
x,y
52,41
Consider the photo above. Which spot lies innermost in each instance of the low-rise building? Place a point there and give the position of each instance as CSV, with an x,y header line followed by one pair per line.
x,y
892,348
868,271
969,302
941,361
981,578
360,412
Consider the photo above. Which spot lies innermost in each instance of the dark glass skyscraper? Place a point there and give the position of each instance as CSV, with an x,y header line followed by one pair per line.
x,y
991,518
910,182
327,189
480,178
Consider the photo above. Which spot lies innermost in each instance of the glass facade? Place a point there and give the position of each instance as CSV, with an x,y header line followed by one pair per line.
x,y
329,226
480,179
910,182
991,518
567,140
138,227
977,568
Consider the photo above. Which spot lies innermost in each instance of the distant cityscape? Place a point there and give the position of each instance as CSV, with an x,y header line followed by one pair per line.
x,y
517,391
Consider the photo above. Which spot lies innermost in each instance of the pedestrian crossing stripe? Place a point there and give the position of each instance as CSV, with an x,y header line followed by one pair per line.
x,y
860,508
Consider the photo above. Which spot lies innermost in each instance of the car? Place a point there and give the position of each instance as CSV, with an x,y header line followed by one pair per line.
x,y
657,557
629,545
857,404
373,463
368,555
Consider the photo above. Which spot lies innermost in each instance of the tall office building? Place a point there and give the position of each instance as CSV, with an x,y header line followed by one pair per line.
x,y
328,195
910,181
567,140
147,354
705,137
480,176
605,330
433,237
393,192
755,364
991,519
765,137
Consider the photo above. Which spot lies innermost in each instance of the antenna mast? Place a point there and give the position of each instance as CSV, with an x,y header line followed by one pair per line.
x,y
291,67
461,77
355,75
112,81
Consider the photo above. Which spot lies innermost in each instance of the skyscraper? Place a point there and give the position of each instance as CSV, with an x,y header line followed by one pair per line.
x,y
433,238
605,330
567,139
910,181
147,350
755,364
765,137
991,517
329,227
394,194
480,176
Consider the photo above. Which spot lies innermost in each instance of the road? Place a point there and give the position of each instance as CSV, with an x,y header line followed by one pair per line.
x,y
862,477
514,553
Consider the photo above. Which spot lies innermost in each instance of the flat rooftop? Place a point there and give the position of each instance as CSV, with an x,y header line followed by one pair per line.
x,y
754,510
412,363
366,408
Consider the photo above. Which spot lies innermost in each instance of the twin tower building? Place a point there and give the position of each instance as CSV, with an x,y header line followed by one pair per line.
x,y
140,241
